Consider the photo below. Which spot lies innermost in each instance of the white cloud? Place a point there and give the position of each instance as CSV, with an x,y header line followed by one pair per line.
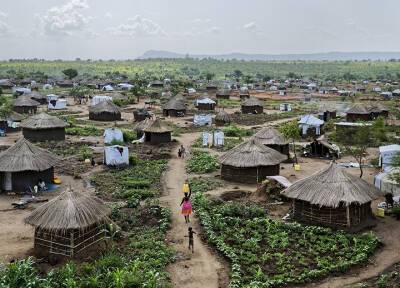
x,y
67,19
250,26
201,20
138,26
215,30
108,15
5,29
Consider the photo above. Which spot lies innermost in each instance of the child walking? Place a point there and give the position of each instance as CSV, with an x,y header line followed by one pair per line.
x,y
191,241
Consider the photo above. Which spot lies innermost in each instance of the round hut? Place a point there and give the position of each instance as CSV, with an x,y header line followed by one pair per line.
x,y
139,127
12,122
105,111
23,165
358,112
250,162
25,105
332,197
141,114
174,108
34,95
222,118
252,106
204,103
43,127
68,225
272,138
223,94
157,132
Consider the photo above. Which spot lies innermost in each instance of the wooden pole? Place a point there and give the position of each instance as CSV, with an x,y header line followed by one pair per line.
x,y
348,215
72,244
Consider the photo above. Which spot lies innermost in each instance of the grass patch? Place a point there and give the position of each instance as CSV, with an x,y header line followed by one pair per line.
x,y
202,162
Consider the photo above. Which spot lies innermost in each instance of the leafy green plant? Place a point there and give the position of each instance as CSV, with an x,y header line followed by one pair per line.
x,y
201,162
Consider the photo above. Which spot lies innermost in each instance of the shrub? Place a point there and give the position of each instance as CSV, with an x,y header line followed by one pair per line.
x,y
129,136
202,162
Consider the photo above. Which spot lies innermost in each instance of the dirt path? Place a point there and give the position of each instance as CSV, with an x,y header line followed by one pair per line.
x,y
388,231
202,268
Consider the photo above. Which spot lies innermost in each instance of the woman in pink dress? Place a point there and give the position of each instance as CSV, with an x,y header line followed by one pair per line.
x,y
186,207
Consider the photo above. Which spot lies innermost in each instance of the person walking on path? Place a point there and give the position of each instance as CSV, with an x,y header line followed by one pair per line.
x,y
186,207
191,240
183,151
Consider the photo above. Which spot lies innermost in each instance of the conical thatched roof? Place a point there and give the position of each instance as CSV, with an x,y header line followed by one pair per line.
x,y
43,121
36,96
270,136
143,124
105,106
223,117
157,127
252,102
251,154
25,101
224,92
14,116
70,210
175,104
332,186
24,156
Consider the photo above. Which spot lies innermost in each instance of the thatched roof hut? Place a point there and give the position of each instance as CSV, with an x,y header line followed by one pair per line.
x,y
11,123
157,132
222,118
139,127
274,139
6,84
174,107
43,127
141,114
105,111
326,113
332,197
34,95
25,105
69,224
250,162
223,94
360,112
252,106
23,164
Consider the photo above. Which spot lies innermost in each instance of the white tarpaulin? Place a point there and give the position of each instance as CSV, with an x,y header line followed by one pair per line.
x,y
385,184
125,86
51,97
309,121
47,87
116,155
206,139
57,104
285,107
100,98
386,155
204,101
111,134
202,119
218,138
107,88
21,90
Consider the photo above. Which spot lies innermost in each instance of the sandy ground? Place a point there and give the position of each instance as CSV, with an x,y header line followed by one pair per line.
x,y
202,268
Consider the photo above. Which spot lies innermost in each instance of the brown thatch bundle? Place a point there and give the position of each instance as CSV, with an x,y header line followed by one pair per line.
x,y
175,104
251,154
25,101
69,211
270,136
104,106
43,121
332,186
143,124
157,127
24,156
252,102
223,116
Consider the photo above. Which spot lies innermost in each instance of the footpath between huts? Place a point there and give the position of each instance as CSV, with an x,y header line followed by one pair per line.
x,y
202,268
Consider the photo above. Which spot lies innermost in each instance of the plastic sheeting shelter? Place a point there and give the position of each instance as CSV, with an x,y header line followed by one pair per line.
x,y
285,107
386,155
309,121
113,134
202,120
51,97
107,88
58,104
383,182
99,98
116,156
125,86
215,139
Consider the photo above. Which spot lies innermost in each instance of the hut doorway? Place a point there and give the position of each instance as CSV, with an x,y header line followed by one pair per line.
x,y
7,181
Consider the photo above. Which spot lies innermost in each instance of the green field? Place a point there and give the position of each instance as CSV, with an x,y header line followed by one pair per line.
x,y
178,68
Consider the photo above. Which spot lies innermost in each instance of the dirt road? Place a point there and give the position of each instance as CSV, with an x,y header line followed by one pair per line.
x,y
202,268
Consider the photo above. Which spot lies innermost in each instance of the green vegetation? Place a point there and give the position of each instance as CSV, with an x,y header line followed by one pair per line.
x,y
291,132
70,73
89,130
228,103
234,131
201,185
201,162
269,253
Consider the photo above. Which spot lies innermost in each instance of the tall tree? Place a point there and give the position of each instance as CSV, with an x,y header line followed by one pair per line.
x,y
70,73
291,132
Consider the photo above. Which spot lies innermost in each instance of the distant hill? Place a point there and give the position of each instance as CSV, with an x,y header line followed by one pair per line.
x,y
330,56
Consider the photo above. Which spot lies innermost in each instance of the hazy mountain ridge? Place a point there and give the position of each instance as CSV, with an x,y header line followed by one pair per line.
x,y
330,56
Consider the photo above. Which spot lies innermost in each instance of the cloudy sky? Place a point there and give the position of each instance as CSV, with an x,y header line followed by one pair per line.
x,y
125,29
